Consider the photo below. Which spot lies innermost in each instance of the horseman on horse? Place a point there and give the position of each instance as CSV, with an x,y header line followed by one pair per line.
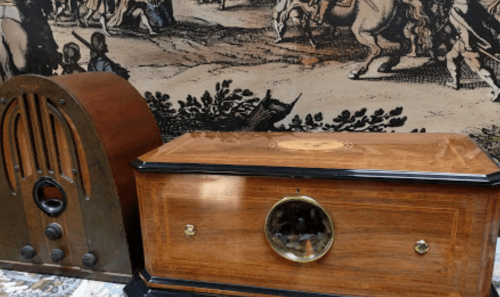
x,y
368,19
13,36
22,51
476,36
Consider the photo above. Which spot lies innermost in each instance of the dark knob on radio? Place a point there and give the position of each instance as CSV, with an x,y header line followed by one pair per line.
x,y
89,260
53,231
28,252
56,255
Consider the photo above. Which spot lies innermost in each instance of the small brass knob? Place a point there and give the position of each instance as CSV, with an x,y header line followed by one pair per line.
x,y
190,230
421,247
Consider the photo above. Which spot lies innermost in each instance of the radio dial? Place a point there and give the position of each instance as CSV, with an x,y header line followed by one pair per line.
x,y
28,252
53,231
89,260
56,255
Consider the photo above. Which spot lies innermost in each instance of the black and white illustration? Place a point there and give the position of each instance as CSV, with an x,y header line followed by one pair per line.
x,y
268,65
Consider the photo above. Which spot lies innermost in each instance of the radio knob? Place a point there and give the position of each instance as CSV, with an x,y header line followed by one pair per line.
x,y
56,255
28,252
89,260
53,231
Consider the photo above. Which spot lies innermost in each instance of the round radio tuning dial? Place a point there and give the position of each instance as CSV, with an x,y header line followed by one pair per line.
x,y
56,255
28,252
89,260
53,231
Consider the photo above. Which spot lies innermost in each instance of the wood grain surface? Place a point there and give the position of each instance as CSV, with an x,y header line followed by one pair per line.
x,y
80,131
377,224
426,152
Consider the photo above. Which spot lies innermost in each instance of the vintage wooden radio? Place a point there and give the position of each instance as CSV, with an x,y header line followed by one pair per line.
x,y
321,214
68,202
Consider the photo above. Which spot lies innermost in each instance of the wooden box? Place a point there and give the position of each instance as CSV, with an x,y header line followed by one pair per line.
x,y
68,203
411,215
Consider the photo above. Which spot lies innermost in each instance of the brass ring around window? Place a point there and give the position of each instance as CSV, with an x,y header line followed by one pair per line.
x,y
299,229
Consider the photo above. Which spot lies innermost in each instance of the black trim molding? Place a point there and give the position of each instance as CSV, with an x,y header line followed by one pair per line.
x,y
320,173
493,292
138,288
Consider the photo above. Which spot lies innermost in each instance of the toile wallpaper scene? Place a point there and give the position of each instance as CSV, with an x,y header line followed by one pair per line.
x,y
277,65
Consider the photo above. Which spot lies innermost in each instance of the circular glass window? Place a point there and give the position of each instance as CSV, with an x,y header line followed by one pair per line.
x,y
299,229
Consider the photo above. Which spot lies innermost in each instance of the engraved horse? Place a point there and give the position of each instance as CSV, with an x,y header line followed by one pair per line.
x,y
26,51
14,42
368,19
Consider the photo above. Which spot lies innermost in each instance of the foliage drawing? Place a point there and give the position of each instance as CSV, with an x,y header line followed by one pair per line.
x,y
239,110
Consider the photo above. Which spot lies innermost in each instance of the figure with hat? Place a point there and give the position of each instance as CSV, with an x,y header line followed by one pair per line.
x,y
473,40
98,59
71,55
99,62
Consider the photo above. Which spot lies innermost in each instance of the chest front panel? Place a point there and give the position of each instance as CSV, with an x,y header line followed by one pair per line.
x,y
376,228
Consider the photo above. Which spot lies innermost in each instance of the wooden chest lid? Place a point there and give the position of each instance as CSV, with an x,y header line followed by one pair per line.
x,y
426,157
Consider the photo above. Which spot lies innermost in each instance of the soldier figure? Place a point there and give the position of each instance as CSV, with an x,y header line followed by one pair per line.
x,y
467,46
101,7
98,59
71,56
98,62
